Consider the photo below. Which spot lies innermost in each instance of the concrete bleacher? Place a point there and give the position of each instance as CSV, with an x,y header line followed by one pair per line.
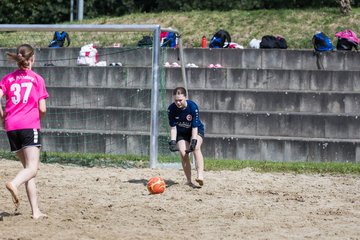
x,y
263,105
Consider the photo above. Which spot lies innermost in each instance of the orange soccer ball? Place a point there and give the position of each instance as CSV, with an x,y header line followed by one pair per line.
x,y
156,185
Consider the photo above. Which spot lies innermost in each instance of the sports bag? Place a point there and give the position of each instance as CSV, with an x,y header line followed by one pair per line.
x,y
170,40
88,55
59,40
221,39
269,41
322,42
146,41
347,40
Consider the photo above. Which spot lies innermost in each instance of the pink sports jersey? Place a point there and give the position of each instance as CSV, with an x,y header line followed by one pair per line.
x,y
23,90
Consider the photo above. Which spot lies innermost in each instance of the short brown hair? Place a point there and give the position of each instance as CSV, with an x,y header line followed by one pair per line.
x,y
179,90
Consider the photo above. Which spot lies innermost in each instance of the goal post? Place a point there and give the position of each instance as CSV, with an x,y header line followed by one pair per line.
x,y
155,71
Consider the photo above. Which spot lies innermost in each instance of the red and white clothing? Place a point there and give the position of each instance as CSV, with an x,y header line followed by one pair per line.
x,y
23,90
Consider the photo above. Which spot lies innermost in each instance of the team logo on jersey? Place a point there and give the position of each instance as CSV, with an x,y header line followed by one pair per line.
x,y
189,117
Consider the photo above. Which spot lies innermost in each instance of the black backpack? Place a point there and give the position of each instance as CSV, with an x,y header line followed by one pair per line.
x,y
269,41
345,44
146,41
219,39
59,40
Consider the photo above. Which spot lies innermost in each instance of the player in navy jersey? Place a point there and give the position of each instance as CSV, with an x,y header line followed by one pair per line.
x,y
186,133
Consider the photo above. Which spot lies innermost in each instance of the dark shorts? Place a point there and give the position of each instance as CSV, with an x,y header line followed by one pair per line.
x,y
19,139
187,137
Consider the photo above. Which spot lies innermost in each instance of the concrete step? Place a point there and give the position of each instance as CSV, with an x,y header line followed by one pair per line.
x,y
274,124
238,58
81,97
235,100
284,149
205,78
270,58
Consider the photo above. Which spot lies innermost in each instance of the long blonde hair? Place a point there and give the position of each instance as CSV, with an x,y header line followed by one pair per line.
x,y
22,56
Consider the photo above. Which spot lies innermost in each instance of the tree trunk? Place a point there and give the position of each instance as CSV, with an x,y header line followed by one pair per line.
x,y
345,6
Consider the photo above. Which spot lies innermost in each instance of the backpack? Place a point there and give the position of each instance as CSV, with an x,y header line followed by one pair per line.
x,y
146,41
221,39
269,41
170,40
322,42
88,55
59,40
347,40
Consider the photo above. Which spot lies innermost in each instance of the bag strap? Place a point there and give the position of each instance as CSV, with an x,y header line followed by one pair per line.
x,y
228,38
67,37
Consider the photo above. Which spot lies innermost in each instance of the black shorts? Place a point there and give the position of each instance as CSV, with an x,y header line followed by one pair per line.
x,y
19,139
186,137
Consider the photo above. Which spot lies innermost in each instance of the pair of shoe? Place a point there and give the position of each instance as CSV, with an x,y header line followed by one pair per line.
x,y
174,64
192,65
101,64
215,66
119,64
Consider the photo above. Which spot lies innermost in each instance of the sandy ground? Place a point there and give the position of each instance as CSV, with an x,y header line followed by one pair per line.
x,y
113,203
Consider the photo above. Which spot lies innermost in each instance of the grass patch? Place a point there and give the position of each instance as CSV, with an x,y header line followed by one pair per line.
x,y
296,25
142,161
89,159
295,167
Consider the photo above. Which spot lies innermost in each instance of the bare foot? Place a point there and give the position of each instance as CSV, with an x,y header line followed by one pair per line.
x,y
14,194
200,181
39,215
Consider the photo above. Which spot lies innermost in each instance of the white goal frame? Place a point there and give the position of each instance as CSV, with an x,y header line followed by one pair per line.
x,y
155,29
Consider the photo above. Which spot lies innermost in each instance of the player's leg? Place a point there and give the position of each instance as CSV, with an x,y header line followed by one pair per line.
x,y
199,161
185,161
32,160
29,156
13,185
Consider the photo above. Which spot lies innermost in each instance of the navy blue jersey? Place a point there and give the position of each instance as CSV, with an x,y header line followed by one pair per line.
x,y
185,119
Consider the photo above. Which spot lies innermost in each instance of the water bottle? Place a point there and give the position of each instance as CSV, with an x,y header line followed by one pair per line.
x,y
203,42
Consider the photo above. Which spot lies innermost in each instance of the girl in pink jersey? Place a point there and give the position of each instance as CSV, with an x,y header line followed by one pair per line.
x,y
25,94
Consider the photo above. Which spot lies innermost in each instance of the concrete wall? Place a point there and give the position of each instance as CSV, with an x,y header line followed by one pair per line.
x,y
264,104
231,58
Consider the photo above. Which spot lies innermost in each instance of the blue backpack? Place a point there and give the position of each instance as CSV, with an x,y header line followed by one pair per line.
x,y
322,42
170,40
59,40
219,39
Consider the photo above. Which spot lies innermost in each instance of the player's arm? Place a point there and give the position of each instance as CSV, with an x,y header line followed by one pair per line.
x,y
173,133
2,114
172,143
42,107
194,131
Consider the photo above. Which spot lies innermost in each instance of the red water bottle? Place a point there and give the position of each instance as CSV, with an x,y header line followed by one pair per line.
x,y
203,42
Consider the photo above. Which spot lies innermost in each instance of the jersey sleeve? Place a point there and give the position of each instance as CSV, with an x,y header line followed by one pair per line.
x,y
43,94
195,116
171,117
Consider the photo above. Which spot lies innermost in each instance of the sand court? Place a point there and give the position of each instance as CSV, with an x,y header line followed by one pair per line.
x,y
113,203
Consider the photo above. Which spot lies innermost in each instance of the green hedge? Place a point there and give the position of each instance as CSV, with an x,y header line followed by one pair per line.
x,y
57,11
